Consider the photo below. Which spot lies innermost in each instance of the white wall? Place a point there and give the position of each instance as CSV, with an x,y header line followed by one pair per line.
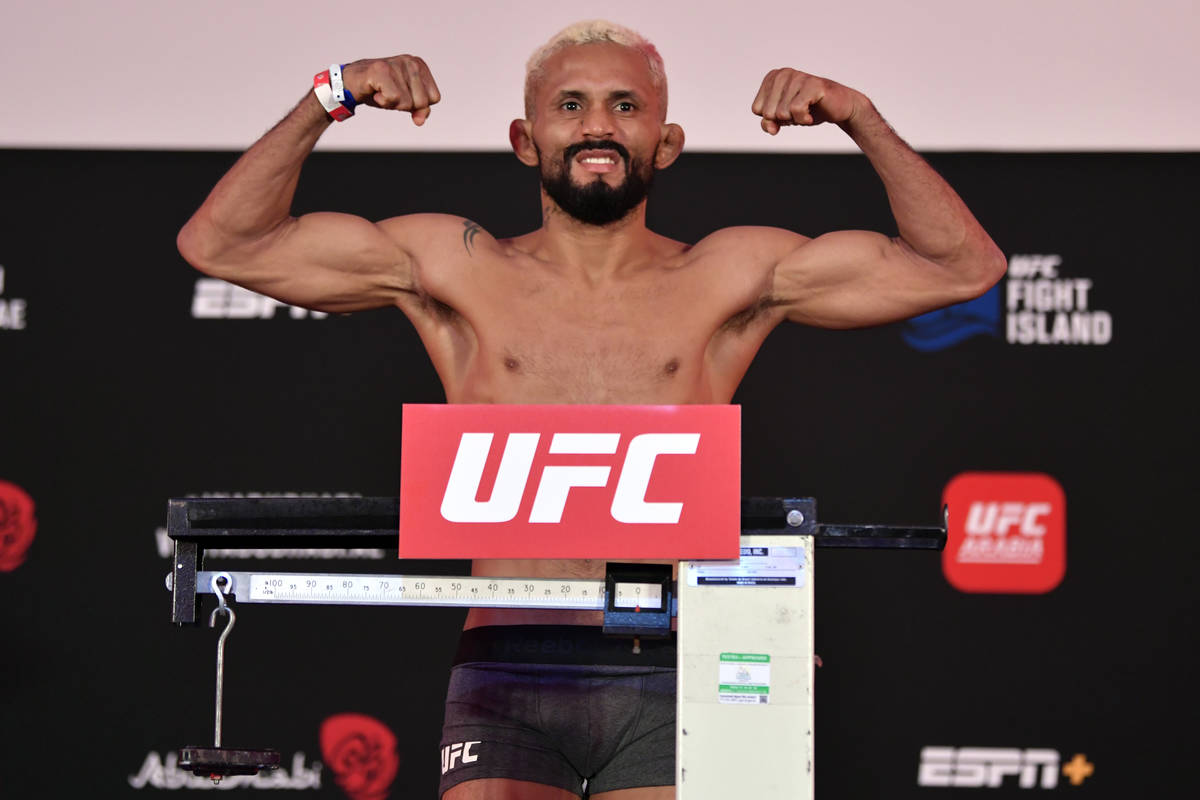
x,y
949,74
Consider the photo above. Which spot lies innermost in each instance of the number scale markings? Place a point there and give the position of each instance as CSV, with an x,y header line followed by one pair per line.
x,y
412,590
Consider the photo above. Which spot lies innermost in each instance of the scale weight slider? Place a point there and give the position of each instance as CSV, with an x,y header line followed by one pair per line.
x,y
220,762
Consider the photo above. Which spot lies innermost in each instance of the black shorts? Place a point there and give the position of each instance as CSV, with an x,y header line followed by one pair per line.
x,y
560,705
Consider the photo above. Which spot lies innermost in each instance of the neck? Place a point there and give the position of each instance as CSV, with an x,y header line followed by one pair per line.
x,y
598,250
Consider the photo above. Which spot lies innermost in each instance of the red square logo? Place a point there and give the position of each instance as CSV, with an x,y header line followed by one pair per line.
x,y
570,481
1007,532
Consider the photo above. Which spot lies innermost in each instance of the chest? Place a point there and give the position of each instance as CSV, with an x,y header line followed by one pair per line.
x,y
632,341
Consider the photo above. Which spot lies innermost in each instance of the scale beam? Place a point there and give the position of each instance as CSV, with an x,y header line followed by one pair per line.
x,y
195,524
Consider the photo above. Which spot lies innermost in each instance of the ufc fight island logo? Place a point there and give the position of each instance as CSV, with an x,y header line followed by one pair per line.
x,y
1007,532
570,482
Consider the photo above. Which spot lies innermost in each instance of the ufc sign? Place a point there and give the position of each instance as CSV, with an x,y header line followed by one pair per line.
x,y
629,500
570,482
1007,532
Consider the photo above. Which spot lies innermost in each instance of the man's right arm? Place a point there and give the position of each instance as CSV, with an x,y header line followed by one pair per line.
x,y
244,232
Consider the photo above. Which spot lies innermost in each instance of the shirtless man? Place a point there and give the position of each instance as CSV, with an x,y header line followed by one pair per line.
x,y
592,307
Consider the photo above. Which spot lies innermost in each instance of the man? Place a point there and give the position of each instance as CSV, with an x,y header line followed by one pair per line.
x,y
592,307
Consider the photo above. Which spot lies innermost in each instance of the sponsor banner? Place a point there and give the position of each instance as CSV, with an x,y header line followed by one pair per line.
x,y
13,310
996,767
218,299
1036,304
18,524
162,771
568,481
1006,533
361,753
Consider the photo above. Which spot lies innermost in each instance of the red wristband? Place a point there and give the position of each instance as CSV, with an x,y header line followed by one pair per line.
x,y
324,92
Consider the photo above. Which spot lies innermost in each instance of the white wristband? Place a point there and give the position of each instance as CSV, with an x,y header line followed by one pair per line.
x,y
335,82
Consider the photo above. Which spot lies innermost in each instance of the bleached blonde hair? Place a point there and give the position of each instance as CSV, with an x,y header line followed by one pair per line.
x,y
594,31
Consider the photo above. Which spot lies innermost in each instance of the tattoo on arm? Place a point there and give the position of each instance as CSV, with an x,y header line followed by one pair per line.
x,y
471,229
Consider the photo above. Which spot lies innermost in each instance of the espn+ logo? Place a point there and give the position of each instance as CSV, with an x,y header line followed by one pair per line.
x,y
629,505
1006,533
978,767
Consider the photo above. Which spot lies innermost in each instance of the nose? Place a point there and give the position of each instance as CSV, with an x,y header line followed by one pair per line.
x,y
598,122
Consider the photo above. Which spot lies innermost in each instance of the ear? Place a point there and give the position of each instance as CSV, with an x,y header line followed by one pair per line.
x,y
670,145
520,136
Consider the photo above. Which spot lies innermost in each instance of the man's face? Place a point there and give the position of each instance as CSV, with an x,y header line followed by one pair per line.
x,y
596,127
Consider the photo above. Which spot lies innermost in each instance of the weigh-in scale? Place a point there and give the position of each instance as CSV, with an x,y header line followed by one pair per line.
x,y
745,627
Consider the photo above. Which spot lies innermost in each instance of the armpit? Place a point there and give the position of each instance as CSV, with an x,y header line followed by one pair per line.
x,y
756,312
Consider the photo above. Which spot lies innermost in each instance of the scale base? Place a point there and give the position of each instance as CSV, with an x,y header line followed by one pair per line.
x,y
220,762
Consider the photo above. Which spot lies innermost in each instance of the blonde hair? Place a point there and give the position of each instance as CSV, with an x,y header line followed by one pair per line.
x,y
595,31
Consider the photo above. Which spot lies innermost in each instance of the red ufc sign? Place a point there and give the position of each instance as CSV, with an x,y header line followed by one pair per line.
x,y
569,481
1007,532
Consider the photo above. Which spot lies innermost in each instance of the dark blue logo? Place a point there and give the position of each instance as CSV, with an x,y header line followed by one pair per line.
x,y
945,327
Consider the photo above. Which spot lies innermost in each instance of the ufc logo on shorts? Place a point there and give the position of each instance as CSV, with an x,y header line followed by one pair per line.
x,y
980,767
629,505
452,753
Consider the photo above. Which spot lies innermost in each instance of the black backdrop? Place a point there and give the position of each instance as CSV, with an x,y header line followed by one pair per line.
x,y
115,397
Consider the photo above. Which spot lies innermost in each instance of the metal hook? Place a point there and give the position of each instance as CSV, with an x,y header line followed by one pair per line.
x,y
219,582
221,578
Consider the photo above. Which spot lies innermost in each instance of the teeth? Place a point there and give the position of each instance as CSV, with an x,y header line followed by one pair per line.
x,y
599,161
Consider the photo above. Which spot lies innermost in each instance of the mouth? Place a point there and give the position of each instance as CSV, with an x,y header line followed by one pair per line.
x,y
597,157
598,161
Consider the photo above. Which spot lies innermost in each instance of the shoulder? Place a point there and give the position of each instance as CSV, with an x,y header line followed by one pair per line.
x,y
437,230
745,250
752,240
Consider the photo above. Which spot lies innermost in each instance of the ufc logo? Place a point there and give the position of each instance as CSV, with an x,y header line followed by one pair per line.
x,y
978,767
997,519
452,752
459,503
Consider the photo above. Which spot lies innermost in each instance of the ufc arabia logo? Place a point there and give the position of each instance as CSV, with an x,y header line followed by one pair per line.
x,y
1007,532
555,481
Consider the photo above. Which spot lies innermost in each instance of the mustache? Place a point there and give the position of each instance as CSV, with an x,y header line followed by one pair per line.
x,y
577,148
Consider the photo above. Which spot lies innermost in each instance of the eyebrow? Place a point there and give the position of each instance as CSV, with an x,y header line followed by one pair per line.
x,y
579,94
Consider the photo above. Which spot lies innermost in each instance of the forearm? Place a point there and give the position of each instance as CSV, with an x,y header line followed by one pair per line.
x,y
254,198
931,218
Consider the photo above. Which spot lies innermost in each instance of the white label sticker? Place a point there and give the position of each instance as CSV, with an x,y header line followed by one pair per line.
x,y
744,679
758,566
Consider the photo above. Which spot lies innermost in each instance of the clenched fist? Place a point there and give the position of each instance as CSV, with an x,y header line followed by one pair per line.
x,y
791,97
403,83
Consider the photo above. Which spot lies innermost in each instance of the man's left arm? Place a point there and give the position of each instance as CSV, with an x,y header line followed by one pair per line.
x,y
856,278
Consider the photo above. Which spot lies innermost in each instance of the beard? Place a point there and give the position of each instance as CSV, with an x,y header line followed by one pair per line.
x,y
595,202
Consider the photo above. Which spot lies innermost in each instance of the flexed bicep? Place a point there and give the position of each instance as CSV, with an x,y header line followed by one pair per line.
x,y
325,261
855,279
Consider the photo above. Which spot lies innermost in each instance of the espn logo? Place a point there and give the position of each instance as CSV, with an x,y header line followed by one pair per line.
x,y
629,498
1007,532
217,299
979,767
